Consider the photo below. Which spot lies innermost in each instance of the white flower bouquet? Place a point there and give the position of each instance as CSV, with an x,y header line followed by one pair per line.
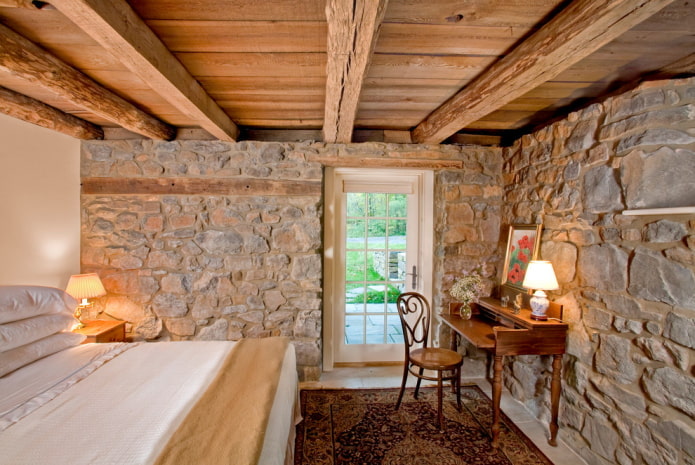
x,y
466,290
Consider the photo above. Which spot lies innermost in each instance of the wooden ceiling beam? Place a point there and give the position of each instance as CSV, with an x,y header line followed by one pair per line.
x,y
25,59
32,111
353,28
118,28
18,4
577,31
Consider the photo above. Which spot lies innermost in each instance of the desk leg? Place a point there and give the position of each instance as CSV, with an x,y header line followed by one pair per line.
x,y
555,389
454,347
496,397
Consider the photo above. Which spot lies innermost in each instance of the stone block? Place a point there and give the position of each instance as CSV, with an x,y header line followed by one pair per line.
x,y
148,328
176,283
646,175
670,387
601,436
307,267
215,332
622,305
665,231
459,213
164,259
219,242
169,305
123,308
583,135
563,255
680,329
656,278
273,300
631,104
655,137
601,190
613,358
296,237
665,117
603,267
181,326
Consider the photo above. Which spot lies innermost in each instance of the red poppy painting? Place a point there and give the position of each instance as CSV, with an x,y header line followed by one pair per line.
x,y
522,247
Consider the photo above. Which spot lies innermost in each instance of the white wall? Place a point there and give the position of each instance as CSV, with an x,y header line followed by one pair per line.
x,y
39,205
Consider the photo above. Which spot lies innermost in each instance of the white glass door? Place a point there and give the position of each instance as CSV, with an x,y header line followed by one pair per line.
x,y
377,250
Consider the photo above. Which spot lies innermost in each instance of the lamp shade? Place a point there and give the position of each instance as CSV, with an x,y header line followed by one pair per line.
x,y
540,275
85,286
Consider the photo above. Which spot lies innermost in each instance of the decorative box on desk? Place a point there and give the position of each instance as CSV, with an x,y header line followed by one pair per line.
x,y
502,332
103,331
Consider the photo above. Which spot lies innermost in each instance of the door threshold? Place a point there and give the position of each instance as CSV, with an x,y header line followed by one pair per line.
x,y
366,364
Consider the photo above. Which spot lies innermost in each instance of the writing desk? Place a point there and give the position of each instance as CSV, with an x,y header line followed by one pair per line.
x,y
501,332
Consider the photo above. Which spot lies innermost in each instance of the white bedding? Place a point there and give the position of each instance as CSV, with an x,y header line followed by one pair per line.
x,y
119,414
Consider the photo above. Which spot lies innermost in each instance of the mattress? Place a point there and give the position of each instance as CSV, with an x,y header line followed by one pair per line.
x,y
120,403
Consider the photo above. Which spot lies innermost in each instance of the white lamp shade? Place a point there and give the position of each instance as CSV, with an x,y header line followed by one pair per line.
x,y
540,275
85,286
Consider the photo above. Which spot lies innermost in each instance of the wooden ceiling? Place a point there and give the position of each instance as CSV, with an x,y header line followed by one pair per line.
x,y
426,71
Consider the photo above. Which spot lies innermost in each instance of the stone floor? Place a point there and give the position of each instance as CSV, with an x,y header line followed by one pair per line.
x,y
390,376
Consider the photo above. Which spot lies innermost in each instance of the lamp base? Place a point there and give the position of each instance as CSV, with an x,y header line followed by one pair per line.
x,y
539,305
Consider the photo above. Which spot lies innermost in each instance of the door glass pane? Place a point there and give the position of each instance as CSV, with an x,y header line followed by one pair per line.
x,y
394,332
377,204
375,267
397,205
355,265
354,329
355,236
356,204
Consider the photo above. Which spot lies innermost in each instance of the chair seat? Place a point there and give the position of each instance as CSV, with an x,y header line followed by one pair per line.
x,y
435,358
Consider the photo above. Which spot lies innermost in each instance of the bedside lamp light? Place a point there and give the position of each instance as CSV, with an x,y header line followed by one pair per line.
x,y
83,287
541,277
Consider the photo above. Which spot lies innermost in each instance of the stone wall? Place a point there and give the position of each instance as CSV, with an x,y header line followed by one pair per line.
x,y
627,282
196,265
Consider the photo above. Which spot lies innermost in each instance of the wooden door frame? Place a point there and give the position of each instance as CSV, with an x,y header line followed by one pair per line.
x,y
426,250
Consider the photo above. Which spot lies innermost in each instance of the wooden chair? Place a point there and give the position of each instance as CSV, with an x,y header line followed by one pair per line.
x,y
416,315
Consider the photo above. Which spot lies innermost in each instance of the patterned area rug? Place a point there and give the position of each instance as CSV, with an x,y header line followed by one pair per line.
x,y
360,426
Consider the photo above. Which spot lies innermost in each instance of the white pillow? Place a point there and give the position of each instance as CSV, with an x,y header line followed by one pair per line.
x,y
18,333
20,302
24,355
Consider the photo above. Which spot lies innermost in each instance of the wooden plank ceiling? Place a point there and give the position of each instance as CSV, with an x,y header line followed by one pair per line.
x,y
428,71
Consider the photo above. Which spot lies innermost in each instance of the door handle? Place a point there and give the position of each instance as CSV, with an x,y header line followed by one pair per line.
x,y
414,275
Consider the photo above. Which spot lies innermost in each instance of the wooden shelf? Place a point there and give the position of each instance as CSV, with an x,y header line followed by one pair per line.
x,y
660,211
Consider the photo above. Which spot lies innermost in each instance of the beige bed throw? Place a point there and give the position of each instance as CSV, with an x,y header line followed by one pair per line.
x,y
227,425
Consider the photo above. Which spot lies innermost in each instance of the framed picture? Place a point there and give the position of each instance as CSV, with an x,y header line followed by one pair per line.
x,y
523,246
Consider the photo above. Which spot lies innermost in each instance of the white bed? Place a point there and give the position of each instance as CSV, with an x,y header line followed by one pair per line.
x,y
121,403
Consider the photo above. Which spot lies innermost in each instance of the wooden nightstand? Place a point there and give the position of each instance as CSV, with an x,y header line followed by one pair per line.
x,y
103,331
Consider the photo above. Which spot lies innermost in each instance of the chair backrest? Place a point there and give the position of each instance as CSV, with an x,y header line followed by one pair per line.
x,y
414,311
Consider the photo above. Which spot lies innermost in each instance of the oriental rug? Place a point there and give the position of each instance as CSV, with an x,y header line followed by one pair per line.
x,y
361,426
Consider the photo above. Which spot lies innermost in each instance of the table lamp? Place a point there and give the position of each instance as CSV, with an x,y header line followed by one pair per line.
x,y
83,287
541,277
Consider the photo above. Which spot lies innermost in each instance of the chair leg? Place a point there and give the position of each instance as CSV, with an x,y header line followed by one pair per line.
x,y
458,387
417,385
405,378
439,400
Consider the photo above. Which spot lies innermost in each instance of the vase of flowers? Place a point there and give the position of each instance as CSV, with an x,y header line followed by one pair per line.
x,y
466,291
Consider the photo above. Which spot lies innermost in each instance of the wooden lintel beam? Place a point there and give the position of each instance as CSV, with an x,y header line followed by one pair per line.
x,y
353,28
577,31
118,28
199,186
360,162
25,59
32,111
